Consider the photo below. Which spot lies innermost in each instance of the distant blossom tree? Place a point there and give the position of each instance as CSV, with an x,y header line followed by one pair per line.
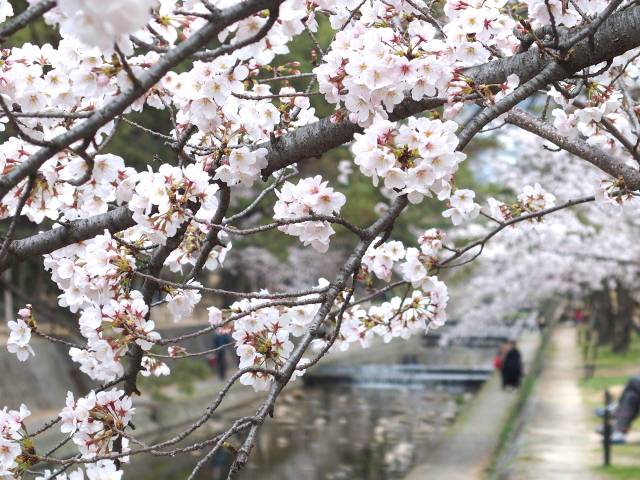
x,y
399,72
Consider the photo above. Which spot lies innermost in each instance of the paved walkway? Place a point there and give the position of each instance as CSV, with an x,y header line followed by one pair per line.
x,y
558,442
467,449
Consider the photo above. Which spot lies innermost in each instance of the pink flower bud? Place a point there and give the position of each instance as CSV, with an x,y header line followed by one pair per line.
x,y
102,81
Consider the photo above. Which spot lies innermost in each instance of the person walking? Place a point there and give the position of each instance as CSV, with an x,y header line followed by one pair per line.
x,y
511,367
221,339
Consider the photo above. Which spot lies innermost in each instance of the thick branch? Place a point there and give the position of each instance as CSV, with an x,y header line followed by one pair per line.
x,y
72,232
25,18
578,147
617,35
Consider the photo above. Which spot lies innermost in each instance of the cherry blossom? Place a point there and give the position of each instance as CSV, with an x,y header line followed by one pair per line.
x,y
408,85
20,335
311,196
96,420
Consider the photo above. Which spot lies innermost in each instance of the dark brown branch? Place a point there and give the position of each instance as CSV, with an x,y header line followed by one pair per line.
x,y
25,18
72,232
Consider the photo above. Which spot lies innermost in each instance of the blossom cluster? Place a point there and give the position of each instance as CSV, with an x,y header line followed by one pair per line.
x,y
605,104
94,277
262,337
262,334
531,200
418,262
189,249
375,67
462,206
389,49
159,202
153,366
242,166
310,196
475,24
90,271
96,420
612,197
76,78
397,318
416,159
52,196
102,25
431,241
20,335
541,12
230,114
13,440
182,301
381,258
535,199
400,317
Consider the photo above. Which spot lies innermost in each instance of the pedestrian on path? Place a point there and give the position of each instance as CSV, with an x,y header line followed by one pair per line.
x,y
220,340
626,410
511,367
542,324
501,351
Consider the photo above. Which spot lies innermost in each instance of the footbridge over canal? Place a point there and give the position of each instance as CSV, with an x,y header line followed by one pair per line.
x,y
452,378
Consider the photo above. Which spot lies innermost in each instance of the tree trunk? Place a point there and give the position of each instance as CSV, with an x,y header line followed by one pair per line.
x,y
601,319
622,324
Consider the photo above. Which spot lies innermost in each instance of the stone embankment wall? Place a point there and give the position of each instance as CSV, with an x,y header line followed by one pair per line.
x,y
41,382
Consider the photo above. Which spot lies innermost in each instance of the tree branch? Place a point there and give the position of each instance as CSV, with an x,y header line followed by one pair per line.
x,y
152,76
72,232
578,147
25,18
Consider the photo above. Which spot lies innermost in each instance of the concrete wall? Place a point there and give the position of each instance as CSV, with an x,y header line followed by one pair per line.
x,y
41,382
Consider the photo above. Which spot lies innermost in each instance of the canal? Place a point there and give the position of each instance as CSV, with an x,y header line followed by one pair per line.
x,y
365,430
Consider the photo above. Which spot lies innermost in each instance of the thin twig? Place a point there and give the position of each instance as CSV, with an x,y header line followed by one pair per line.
x,y
16,216
186,355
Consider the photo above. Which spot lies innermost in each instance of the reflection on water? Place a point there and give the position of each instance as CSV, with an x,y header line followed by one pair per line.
x,y
329,433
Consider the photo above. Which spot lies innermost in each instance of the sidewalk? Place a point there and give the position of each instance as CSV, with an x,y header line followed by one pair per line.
x,y
557,442
465,451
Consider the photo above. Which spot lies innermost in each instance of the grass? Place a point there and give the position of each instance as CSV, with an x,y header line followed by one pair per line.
x,y
607,359
600,382
184,374
613,370
615,472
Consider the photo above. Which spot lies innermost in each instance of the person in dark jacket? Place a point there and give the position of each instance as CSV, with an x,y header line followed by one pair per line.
x,y
221,339
511,367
